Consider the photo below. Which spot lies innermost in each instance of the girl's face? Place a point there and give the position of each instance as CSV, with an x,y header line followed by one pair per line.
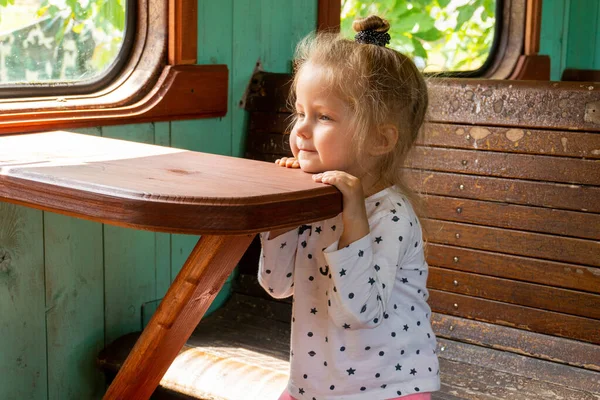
x,y
321,136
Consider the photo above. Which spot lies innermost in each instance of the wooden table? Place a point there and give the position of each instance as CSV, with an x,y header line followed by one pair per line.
x,y
227,200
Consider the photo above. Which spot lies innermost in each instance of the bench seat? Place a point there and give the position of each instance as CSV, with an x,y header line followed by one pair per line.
x,y
241,352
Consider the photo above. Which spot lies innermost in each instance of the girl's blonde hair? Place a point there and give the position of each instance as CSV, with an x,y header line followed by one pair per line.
x,y
381,86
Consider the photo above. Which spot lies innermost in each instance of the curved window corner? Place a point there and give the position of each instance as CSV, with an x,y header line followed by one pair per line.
x,y
117,74
493,39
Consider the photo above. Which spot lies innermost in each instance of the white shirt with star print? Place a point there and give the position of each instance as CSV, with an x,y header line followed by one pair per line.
x,y
360,322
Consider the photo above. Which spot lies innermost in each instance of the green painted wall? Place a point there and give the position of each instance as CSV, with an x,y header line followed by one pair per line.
x,y
570,35
73,286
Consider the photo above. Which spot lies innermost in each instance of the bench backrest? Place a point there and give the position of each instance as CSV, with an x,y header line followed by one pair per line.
x,y
510,176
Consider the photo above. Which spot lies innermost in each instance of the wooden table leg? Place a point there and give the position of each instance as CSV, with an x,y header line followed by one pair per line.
x,y
182,308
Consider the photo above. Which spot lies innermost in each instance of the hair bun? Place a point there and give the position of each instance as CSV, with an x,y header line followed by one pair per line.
x,y
371,23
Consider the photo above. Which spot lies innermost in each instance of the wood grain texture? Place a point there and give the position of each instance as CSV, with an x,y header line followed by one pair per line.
x,y
479,373
156,188
526,294
22,304
536,245
512,216
524,104
517,316
545,272
180,311
511,340
510,191
507,165
510,140
75,313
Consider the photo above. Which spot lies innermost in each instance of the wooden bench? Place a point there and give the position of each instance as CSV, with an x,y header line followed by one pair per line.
x,y
509,173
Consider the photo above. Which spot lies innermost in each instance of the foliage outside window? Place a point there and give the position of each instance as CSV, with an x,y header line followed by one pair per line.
x,y
59,42
439,35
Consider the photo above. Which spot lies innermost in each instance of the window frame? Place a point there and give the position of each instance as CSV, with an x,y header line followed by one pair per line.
x,y
516,44
159,81
53,88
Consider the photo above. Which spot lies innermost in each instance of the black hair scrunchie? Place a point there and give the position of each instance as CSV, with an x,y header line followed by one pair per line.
x,y
373,37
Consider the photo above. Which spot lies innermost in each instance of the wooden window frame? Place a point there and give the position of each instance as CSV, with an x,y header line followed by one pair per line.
x,y
159,82
516,56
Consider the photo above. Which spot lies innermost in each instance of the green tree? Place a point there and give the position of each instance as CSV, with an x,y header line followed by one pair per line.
x,y
439,35
97,28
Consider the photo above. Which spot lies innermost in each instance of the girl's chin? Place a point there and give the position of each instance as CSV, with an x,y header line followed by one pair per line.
x,y
307,166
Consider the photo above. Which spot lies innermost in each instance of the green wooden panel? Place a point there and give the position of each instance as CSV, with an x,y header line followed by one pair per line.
x,y
23,364
214,47
129,259
75,307
597,41
276,34
304,20
582,33
554,30
247,47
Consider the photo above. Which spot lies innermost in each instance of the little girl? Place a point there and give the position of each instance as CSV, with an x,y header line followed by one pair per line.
x,y
360,322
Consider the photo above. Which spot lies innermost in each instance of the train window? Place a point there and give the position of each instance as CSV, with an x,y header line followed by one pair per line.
x,y
441,36
51,47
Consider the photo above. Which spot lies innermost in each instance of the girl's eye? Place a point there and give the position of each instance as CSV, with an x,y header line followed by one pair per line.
x,y
325,117
299,115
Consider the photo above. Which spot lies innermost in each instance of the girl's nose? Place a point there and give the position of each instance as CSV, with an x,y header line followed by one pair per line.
x,y
303,128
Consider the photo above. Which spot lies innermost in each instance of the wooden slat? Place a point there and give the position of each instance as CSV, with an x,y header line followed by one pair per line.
x,y
535,219
23,330
504,375
156,188
542,194
505,165
525,104
508,339
76,311
474,382
512,140
531,319
508,291
533,270
529,244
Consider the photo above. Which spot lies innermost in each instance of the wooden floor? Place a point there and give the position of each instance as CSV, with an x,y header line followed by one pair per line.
x,y
249,335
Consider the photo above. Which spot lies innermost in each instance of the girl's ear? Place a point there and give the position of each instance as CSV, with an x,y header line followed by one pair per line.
x,y
387,137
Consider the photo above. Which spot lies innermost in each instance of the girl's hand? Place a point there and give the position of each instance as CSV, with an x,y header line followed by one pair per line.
x,y
354,213
289,162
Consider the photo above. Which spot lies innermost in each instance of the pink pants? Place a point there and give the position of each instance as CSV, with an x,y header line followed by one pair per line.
x,y
417,396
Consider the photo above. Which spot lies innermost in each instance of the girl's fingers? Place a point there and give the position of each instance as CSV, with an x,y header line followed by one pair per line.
x,y
289,162
282,162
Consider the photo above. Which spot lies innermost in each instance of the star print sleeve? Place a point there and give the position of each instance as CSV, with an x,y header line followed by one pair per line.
x,y
364,272
276,265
